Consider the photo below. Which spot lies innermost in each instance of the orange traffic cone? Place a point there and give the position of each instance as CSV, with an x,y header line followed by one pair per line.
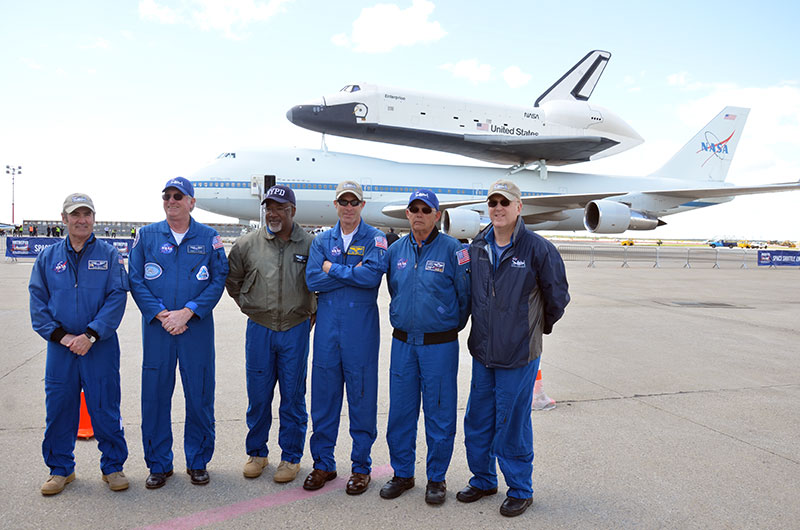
x,y
541,401
85,424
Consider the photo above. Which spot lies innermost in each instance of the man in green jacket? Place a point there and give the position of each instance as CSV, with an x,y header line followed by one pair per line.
x,y
267,281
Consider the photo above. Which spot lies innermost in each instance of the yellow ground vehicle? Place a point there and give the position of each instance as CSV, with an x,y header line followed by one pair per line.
x,y
627,243
743,244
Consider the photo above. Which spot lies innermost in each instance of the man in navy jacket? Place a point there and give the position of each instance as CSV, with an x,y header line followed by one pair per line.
x,y
519,290
429,284
78,290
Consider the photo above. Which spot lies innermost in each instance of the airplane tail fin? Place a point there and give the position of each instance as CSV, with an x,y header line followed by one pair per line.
x,y
708,154
579,82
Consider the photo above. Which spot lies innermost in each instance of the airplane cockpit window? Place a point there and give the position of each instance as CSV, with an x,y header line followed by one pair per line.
x,y
356,88
227,155
351,88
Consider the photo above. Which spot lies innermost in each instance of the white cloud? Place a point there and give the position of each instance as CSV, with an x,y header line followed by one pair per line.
x,y
383,27
678,79
515,77
227,16
30,63
99,44
469,69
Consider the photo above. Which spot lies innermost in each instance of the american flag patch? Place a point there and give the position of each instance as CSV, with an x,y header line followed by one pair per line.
x,y
216,242
380,242
730,116
463,256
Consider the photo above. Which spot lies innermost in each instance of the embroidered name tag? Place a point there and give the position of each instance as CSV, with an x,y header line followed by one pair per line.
x,y
355,251
435,266
152,271
98,265
197,249
299,258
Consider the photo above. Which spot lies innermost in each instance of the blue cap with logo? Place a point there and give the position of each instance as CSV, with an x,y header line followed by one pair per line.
x,y
280,193
425,195
181,184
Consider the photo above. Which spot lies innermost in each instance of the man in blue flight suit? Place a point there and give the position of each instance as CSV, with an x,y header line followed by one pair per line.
x,y
345,266
519,291
177,272
428,278
78,290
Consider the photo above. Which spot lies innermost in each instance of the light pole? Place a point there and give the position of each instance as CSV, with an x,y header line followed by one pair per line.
x,y
13,171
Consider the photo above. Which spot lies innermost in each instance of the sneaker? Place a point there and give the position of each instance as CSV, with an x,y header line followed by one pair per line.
x,y
286,472
116,481
56,484
254,466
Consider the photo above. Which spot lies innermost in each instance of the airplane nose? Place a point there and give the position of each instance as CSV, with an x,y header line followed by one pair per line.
x,y
289,115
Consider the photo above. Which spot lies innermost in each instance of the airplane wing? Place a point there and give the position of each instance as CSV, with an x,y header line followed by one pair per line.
x,y
731,191
555,150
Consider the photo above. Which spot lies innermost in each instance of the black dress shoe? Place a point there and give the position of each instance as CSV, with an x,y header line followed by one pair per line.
x,y
513,507
472,494
156,480
395,487
436,492
199,476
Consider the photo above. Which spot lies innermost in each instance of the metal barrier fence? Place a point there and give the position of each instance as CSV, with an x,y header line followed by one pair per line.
x,y
658,256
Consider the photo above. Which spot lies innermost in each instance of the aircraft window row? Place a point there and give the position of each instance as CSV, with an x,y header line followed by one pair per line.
x,y
351,88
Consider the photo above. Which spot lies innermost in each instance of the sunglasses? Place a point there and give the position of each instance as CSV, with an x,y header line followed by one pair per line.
x,y
178,196
425,209
345,202
502,202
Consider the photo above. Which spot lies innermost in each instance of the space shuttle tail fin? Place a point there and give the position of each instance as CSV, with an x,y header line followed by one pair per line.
x,y
708,155
579,82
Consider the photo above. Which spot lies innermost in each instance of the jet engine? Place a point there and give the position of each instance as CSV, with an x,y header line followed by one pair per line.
x,y
611,217
461,223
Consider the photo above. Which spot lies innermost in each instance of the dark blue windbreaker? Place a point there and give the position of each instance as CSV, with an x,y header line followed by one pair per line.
x,y
514,304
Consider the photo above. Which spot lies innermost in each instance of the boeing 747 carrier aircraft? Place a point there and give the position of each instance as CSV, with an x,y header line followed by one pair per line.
x,y
562,127
694,178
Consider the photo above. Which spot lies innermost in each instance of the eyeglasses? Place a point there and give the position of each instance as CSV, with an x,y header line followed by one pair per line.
x,y
502,202
425,209
178,196
278,211
345,202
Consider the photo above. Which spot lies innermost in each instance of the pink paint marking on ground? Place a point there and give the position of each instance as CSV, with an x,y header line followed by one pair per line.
x,y
231,511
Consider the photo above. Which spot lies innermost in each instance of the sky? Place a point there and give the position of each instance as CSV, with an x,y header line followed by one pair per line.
x,y
114,98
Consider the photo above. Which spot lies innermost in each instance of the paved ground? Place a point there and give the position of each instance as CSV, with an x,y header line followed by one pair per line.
x,y
677,392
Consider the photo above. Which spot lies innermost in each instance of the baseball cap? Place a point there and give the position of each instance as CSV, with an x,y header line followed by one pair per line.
x,y
350,186
77,200
181,184
506,188
425,195
280,193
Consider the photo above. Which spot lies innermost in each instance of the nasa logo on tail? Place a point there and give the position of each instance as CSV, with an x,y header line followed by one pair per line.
x,y
714,146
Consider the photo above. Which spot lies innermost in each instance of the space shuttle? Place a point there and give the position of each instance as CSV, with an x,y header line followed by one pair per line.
x,y
561,127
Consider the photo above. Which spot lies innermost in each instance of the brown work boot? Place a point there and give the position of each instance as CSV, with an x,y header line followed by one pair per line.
x,y
286,472
56,484
254,466
116,481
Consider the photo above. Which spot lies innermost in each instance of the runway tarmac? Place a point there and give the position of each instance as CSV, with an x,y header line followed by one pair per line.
x,y
677,391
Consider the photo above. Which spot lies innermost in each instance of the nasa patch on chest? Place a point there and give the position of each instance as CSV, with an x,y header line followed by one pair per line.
x,y
336,251
202,274
167,248
152,271
402,263
435,266
60,267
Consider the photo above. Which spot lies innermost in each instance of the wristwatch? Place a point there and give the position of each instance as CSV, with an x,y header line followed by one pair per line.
x,y
91,338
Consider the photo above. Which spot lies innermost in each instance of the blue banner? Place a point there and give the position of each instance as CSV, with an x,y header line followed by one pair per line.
x,y
30,247
779,258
